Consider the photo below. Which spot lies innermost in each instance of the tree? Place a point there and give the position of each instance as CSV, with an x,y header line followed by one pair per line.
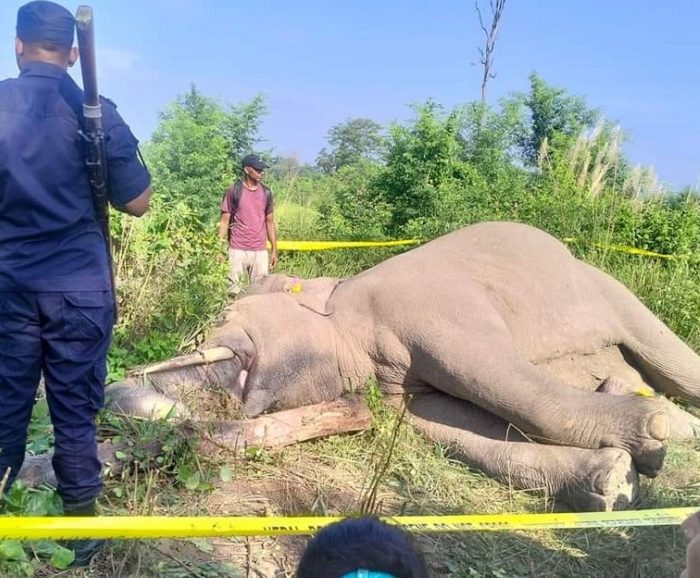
x,y
286,168
241,127
194,152
352,141
554,118
491,35
490,137
421,157
354,208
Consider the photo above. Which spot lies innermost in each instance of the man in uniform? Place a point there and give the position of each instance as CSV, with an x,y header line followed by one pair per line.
x,y
56,301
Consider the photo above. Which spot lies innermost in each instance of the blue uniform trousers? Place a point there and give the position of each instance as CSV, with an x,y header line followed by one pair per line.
x,y
66,336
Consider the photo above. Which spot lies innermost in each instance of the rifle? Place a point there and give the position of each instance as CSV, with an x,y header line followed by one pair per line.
x,y
92,133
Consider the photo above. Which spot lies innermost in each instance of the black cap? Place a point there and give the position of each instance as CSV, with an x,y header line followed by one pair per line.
x,y
253,160
45,22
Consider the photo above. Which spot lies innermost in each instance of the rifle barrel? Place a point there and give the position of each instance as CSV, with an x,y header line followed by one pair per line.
x,y
95,156
85,28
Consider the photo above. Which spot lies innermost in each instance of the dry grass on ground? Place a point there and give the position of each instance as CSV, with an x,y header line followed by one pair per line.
x,y
333,476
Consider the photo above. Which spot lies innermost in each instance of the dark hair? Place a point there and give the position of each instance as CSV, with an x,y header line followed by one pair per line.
x,y
361,543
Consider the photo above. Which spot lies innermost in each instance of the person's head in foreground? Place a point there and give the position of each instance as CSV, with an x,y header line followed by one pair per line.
x,y
691,527
361,548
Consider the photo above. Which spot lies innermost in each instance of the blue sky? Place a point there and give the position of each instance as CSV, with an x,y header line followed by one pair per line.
x,y
320,63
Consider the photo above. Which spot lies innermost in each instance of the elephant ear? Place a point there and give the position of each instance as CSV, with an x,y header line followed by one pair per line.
x,y
314,293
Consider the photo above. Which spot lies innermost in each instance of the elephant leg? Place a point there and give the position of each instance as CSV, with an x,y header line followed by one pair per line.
x,y
684,426
668,364
490,374
586,480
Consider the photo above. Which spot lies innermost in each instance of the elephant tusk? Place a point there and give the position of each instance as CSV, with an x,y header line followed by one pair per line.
x,y
197,358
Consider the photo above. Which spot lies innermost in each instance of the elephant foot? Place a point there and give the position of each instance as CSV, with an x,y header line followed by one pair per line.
x,y
651,450
642,427
684,426
610,482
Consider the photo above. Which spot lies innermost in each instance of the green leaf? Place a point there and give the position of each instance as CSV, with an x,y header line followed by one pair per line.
x,y
12,550
38,504
62,557
192,481
253,452
44,548
120,455
225,474
40,410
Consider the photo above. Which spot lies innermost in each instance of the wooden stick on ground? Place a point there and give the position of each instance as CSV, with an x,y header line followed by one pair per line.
x,y
291,426
272,431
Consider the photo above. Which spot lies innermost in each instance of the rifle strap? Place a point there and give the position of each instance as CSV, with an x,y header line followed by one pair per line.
x,y
73,97
143,161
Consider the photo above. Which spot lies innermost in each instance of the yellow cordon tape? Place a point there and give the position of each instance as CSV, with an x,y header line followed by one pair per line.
x,y
625,249
138,527
324,245
633,251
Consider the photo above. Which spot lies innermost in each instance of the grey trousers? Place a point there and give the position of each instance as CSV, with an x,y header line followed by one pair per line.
x,y
254,263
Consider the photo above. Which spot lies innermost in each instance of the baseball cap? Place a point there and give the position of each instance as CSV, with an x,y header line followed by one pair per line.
x,y
253,160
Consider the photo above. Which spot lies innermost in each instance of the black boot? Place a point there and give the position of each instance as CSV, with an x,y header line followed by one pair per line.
x,y
84,550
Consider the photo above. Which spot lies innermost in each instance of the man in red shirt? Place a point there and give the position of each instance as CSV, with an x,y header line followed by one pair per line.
x,y
247,223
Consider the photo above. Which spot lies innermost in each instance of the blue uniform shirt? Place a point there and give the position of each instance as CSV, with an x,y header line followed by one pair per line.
x,y
50,239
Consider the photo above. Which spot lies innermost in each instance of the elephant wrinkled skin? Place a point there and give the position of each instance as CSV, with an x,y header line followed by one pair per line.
x,y
501,337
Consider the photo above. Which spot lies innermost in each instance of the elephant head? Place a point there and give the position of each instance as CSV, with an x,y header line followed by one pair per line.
x,y
286,345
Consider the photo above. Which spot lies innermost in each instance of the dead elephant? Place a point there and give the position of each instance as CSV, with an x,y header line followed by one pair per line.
x,y
500,336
